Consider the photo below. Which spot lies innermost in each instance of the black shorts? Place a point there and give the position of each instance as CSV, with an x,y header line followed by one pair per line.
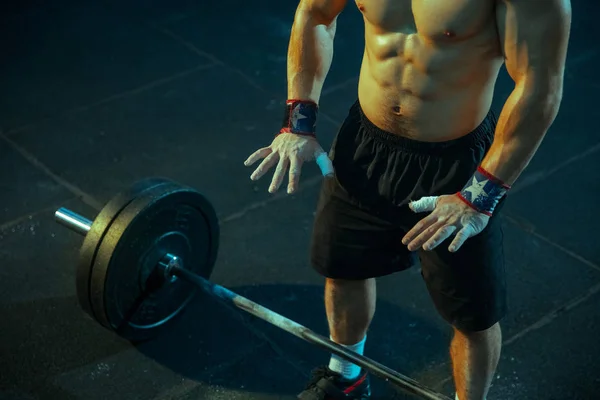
x,y
363,214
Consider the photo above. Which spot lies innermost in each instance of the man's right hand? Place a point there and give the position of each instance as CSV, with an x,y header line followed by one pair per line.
x,y
289,150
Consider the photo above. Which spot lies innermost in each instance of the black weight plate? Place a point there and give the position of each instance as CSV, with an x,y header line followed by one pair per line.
x,y
99,227
167,219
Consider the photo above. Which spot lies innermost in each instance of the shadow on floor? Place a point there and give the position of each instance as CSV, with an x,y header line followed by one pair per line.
x,y
396,338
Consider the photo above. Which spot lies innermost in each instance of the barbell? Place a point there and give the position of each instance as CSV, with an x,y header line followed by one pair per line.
x,y
147,253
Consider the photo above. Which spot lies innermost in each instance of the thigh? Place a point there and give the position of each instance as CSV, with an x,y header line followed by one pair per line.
x,y
468,287
350,242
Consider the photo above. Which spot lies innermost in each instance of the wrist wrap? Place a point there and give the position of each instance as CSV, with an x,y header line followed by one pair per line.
x,y
300,117
483,192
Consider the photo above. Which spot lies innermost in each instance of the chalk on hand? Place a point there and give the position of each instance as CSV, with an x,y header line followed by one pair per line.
x,y
423,204
325,164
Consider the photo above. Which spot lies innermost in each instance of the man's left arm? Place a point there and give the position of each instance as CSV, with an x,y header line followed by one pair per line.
x,y
534,36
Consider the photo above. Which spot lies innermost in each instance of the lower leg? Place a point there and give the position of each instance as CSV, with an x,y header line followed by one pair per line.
x,y
350,306
475,357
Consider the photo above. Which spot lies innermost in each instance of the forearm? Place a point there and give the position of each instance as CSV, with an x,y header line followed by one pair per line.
x,y
526,117
523,122
310,54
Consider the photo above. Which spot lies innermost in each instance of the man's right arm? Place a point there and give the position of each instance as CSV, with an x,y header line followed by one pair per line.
x,y
310,54
310,49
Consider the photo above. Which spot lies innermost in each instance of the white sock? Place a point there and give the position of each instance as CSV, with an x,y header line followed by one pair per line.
x,y
347,369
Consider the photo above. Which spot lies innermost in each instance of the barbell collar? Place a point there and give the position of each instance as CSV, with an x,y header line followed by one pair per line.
x,y
75,222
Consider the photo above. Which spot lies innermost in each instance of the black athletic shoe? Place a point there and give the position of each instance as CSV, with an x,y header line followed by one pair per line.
x,y
328,385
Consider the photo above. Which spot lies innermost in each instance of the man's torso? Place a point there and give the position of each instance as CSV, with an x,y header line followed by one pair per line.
x,y
429,66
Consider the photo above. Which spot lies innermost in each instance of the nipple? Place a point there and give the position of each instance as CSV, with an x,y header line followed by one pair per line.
x,y
449,34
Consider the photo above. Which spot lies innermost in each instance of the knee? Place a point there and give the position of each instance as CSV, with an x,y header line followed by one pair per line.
x,y
335,285
494,332
348,284
336,282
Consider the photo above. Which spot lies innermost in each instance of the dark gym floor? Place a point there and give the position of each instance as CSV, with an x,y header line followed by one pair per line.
x,y
95,95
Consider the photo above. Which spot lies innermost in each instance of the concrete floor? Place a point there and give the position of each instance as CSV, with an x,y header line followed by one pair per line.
x,y
95,95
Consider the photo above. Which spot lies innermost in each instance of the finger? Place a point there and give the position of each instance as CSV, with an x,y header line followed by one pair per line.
x,y
279,174
419,227
461,238
424,204
295,169
265,166
425,235
325,164
258,154
442,234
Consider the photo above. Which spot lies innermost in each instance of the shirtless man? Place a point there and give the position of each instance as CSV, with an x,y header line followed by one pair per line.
x,y
421,129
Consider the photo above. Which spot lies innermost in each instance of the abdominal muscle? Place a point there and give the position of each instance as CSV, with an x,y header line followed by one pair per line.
x,y
428,89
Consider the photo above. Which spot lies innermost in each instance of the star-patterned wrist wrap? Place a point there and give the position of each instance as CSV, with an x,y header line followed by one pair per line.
x,y
483,192
300,117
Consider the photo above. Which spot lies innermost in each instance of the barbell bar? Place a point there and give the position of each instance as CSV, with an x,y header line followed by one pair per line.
x,y
143,203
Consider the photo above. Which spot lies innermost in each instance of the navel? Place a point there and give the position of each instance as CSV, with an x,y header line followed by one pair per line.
x,y
396,110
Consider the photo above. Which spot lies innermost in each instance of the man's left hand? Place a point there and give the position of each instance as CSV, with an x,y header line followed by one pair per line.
x,y
449,215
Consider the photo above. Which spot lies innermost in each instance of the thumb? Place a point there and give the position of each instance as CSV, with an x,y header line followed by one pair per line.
x,y
324,163
424,204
